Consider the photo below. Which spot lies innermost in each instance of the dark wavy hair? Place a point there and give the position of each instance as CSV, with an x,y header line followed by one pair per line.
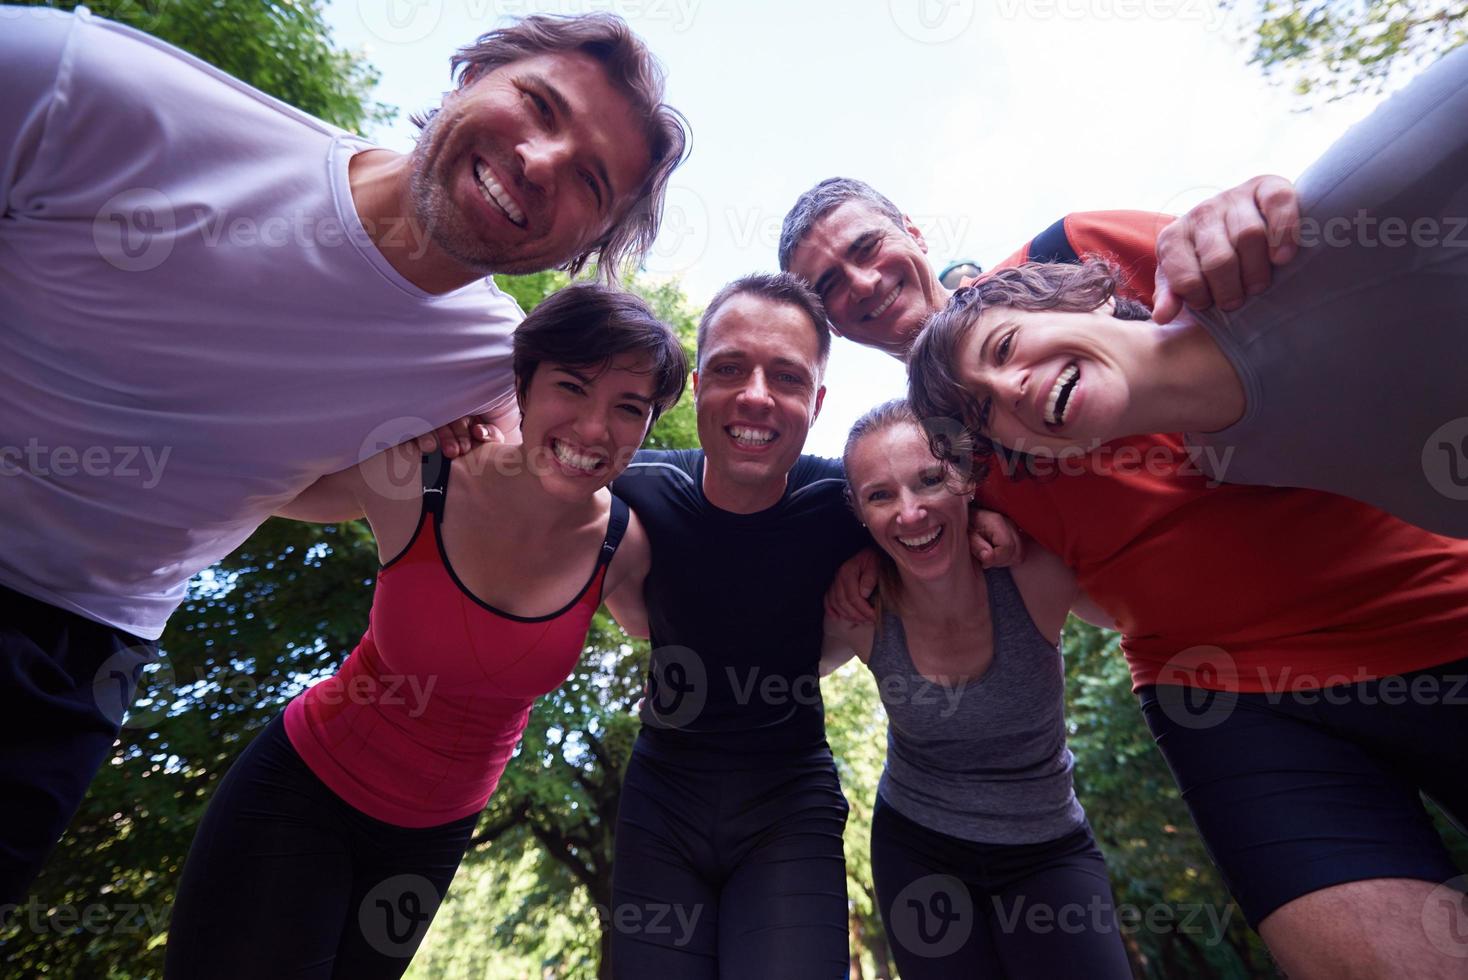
x,y
632,69
586,325
933,385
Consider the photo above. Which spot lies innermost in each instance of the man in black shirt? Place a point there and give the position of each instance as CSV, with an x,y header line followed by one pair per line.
x,y
729,857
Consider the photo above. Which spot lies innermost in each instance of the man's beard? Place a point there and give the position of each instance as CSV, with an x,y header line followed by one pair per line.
x,y
434,210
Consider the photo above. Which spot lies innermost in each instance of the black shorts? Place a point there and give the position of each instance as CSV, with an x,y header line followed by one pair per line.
x,y
1298,791
65,684
729,866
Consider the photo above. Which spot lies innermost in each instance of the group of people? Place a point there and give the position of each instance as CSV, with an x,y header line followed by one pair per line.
x,y
1255,562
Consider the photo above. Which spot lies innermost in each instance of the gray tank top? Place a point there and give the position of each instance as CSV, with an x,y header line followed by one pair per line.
x,y
983,760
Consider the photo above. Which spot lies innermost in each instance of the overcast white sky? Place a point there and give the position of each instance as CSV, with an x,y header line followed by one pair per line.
x,y
984,121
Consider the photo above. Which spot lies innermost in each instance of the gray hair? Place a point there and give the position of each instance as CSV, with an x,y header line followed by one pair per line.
x,y
820,201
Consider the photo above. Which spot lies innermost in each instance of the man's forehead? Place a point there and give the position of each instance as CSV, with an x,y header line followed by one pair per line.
x,y
844,223
755,326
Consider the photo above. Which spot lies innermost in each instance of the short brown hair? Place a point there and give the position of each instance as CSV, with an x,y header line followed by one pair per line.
x,y
933,385
778,287
631,68
588,324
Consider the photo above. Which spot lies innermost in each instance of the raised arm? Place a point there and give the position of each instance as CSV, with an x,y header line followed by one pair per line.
x,y
1225,249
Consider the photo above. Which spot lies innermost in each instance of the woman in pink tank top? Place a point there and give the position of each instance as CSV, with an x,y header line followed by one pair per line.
x,y
331,841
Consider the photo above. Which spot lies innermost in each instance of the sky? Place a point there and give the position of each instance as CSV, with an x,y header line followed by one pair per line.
x,y
985,122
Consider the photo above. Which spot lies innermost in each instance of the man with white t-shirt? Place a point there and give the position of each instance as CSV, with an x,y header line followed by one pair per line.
x,y
209,299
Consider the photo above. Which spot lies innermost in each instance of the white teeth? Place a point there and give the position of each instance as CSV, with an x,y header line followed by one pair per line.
x,y
928,538
748,436
496,195
576,461
891,298
1053,413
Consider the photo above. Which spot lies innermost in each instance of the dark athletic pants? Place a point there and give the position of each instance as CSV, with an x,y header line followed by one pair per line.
x,y
959,910
285,879
730,868
65,682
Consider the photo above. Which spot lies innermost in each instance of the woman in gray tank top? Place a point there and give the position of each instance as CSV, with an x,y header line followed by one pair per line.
x,y
982,858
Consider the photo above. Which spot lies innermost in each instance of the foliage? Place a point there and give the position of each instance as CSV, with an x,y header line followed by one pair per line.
x,y
1336,48
284,49
1157,861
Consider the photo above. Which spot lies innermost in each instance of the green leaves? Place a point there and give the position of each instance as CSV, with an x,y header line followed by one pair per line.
x,y
1335,48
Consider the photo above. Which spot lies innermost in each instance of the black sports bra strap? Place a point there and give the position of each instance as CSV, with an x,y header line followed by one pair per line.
x,y
616,527
435,483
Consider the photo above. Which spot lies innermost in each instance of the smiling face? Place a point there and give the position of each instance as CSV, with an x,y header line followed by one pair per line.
x,y
758,391
581,427
1051,380
908,502
529,165
872,276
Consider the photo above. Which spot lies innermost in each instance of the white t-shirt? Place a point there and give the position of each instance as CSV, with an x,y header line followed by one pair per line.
x,y
194,325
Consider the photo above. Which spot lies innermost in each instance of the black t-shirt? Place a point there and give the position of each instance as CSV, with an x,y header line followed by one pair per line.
x,y
735,604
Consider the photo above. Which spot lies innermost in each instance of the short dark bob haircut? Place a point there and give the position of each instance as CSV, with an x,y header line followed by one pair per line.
x,y
585,326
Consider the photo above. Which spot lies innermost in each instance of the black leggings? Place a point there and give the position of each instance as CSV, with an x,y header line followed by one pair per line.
x,y
730,869
956,909
285,879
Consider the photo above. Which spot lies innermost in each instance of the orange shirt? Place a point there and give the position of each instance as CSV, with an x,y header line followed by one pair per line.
x,y
1241,588
1237,588
1128,238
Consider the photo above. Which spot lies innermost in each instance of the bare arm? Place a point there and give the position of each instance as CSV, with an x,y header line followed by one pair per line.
x,y
843,640
626,578
330,500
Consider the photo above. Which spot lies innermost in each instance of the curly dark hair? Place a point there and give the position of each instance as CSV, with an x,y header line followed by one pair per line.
x,y
933,384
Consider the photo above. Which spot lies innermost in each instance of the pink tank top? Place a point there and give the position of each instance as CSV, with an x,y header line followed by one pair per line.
x,y
418,724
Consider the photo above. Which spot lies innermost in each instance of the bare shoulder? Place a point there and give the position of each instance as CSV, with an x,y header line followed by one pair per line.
x,y
1048,587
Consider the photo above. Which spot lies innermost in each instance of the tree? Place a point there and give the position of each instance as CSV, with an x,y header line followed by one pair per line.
x,y
284,49
1340,47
